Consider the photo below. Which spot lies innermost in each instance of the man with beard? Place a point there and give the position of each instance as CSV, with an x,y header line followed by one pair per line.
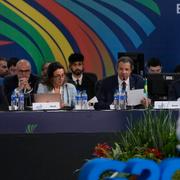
x,y
82,80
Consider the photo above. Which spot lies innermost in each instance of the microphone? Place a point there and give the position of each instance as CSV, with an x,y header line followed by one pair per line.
x,y
67,94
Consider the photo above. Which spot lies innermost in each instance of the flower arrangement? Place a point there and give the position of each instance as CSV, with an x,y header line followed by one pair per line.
x,y
152,137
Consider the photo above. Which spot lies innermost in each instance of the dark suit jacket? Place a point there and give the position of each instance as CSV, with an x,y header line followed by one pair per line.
x,y
88,83
3,100
174,91
105,94
11,82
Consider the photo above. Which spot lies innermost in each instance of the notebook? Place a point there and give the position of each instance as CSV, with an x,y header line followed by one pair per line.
x,y
46,97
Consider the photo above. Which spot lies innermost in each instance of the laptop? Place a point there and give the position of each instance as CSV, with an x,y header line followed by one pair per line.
x,y
46,97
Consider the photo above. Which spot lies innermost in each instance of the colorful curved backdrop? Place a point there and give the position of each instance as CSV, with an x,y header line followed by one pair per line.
x,y
49,30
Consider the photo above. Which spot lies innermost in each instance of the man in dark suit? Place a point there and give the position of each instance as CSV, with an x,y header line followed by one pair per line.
x,y
123,78
81,79
3,100
23,81
174,91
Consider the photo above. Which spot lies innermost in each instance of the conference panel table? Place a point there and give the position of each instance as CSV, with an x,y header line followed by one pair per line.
x,y
55,144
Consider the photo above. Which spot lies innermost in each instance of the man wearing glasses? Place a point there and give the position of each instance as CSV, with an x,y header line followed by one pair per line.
x,y
24,81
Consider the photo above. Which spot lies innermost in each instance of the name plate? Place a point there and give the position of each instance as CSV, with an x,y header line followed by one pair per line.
x,y
167,105
46,106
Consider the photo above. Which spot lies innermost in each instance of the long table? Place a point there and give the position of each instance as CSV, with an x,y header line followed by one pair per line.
x,y
19,122
54,144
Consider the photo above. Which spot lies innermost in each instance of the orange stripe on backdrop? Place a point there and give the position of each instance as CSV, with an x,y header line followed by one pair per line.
x,y
93,48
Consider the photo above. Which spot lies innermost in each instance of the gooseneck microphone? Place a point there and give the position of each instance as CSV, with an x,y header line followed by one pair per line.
x,y
67,92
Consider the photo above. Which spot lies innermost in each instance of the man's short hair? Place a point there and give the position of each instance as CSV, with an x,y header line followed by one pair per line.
x,y
126,59
3,59
12,62
154,62
75,57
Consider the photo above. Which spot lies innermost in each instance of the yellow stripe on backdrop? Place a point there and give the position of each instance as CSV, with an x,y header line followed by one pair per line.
x,y
51,34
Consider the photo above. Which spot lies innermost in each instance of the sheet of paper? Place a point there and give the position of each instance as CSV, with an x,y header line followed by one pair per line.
x,y
93,100
134,97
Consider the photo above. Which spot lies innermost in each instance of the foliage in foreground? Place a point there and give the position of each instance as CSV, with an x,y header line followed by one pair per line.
x,y
152,137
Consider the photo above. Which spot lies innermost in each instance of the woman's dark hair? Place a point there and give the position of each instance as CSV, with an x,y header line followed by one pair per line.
x,y
51,68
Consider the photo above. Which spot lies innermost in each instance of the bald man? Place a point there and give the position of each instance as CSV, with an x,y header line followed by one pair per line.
x,y
24,81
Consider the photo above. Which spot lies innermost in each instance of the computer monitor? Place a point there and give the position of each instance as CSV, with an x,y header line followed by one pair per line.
x,y
158,85
138,59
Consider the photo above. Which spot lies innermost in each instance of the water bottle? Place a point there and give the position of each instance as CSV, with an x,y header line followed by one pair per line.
x,y
116,99
21,101
84,100
78,100
123,100
14,103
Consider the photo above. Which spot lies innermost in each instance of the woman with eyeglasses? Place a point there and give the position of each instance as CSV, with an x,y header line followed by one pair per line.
x,y
56,83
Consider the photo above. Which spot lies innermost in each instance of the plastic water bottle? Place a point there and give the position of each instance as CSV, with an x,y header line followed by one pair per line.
x,y
123,100
116,99
14,102
21,101
84,100
78,101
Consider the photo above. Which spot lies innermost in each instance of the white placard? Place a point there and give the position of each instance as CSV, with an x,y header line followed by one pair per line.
x,y
46,106
167,105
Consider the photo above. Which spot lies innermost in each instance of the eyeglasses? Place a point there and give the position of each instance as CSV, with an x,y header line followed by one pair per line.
x,y
24,71
59,76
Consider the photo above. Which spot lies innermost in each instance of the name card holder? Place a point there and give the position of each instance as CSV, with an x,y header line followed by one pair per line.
x,y
167,105
46,106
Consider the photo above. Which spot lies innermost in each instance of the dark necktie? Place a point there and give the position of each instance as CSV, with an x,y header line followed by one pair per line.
x,y
123,86
77,84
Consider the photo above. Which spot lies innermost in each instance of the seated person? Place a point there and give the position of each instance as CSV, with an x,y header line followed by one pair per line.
x,y
3,100
12,70
174,91
82,80
110,84
3,67
56,83
154,65
44,72
24,81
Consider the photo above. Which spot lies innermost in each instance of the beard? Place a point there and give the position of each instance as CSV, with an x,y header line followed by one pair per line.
x,y
77,72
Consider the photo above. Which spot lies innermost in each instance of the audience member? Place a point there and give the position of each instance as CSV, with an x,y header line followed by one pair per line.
x,y
56,83
82,80
44,72
3,67
3,100
174,91
124,78
11,64
24,81
154,65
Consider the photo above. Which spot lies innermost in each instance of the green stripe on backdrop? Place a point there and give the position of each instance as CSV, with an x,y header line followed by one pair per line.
x,y
43,46
23,41
151,5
